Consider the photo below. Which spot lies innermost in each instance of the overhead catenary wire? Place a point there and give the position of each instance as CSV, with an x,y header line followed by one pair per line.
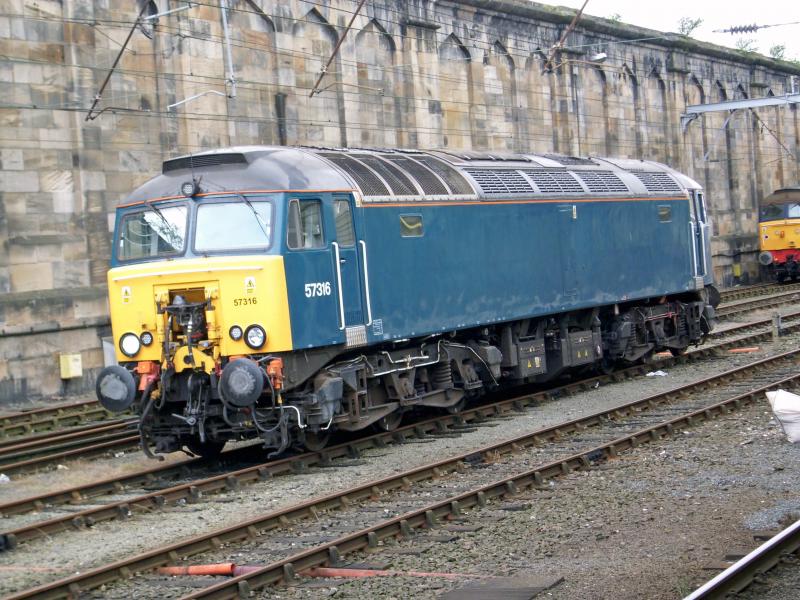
x,y
359,99
206,37
478,104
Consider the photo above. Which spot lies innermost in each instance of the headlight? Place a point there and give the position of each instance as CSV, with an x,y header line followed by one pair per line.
x,y
146,338
235,332
255,336
130,344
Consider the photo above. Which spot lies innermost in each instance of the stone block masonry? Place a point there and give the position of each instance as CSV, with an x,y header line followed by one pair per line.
x,y
471,74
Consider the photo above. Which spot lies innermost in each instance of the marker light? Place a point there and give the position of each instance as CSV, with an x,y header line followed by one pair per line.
x,y
130,344
255,336
146,338
236,333
189,188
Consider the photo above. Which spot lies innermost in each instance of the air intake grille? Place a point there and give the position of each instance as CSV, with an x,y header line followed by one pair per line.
x,y
570,160
365,179
555,182
500,181
202,161
431,185
658,181
602,181
457,184
400,184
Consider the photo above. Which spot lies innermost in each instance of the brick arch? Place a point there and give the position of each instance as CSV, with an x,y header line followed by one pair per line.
x,y
625,113
456,118
255,68
601,137
695,137
656,118
540,94
320,119
377,100
500,93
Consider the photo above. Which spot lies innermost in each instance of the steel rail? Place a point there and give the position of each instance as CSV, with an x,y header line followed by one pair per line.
x,y
194,490
253,528
742,573
48,418
51,441
50,435
96,448
761,289
329,553
731,309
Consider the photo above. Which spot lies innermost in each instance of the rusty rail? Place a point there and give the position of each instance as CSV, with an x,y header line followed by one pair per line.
x,y
328,553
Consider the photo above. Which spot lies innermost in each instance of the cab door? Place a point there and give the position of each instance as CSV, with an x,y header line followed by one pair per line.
x,y
700,234
311,275
349,271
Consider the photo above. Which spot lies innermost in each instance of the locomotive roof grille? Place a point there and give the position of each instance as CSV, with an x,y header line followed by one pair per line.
x,y
202,161
365,178
429,182
492,156
502,182
397,180
555,182
657,181
570,160
602,181
454,180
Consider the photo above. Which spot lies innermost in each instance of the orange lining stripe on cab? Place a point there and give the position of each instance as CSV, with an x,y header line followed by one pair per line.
x,y
232,192
521,201
368,204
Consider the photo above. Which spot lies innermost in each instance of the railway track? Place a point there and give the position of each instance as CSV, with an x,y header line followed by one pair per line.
x,y
41,450
760,289
480,476
732,309
742,573
193,489
50,418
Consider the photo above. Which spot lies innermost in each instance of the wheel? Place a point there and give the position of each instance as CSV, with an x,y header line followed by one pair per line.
x,y
390,422
457,407
208,449
606,366
678,351
314,441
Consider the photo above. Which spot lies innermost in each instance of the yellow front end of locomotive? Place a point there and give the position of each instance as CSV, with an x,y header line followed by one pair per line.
x,y
240,292
779,235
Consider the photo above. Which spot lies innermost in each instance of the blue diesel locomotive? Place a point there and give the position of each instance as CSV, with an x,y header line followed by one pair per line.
x,y
284,293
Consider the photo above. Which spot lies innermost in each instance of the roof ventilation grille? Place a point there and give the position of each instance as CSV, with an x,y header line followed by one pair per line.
x,y
657,181
555,182
570,160
202,161
602,181
431,184
369,183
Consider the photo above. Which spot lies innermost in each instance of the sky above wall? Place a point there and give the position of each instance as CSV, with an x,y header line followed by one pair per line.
x,y
716,14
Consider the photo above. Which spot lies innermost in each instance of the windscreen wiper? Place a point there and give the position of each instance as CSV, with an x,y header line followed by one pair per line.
x,y
259,220
150,204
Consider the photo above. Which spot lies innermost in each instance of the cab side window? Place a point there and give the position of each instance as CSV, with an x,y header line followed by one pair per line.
x,y
304,229
344,223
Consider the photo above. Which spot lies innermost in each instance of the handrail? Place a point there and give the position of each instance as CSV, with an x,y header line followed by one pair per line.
x,y
363,245
339,284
